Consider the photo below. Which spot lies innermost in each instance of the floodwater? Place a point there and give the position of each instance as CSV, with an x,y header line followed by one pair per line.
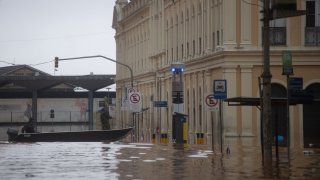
x,y
147,161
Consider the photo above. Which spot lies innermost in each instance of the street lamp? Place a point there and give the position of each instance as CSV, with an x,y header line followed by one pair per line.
x,y
90,93
99,56
266,93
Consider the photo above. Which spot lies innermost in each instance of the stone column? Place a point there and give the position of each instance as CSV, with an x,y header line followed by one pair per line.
x,y
230,113
229,24
245,24
246,91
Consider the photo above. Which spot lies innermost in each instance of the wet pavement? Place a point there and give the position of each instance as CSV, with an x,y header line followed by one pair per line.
x,y
149,161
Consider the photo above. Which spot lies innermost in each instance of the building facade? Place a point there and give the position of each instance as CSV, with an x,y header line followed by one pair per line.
x,y
214,39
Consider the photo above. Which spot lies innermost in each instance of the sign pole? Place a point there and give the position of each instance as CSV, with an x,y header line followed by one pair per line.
x,y
288,119
212,129
221,125
220,92
287,70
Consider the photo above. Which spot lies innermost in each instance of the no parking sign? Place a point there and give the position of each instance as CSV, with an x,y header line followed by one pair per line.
x,y
135,102
211,104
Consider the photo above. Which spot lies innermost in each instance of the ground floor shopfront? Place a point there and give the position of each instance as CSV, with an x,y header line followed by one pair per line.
x,y
241,70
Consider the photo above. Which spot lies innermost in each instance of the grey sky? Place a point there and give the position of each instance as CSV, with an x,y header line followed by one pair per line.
x,y
35,31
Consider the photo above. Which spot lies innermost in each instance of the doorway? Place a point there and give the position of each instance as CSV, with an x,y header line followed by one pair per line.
x,y
311,118
279,115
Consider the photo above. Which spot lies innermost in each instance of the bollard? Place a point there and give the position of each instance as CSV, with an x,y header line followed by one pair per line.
x,y
153,138
199,138
164,138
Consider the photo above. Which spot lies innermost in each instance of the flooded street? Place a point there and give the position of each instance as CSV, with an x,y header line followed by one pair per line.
x,y
146,161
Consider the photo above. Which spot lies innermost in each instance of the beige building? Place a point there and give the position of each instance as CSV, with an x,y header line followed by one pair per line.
x,y
214,39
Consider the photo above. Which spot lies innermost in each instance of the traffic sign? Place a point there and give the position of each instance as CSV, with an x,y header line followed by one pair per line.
x,y
296,83
287,63
220,89
160,103
134,98
131,90
211,103
135,102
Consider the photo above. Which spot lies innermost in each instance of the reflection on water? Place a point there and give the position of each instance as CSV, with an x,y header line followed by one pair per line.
x,y
147,161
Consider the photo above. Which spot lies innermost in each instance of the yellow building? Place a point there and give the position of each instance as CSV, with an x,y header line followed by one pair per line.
x,y
214,39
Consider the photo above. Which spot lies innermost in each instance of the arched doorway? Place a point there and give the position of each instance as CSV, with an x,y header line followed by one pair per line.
x,y
279,114
311,118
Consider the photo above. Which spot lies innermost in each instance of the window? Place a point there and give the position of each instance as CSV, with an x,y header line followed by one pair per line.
x,y
200,48
177,53
182,49
218,38
312,29
213,42
310,14
277,32
187,48
194,47
167,56
171,54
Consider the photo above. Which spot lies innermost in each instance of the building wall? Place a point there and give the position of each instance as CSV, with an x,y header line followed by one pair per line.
x,y
215,39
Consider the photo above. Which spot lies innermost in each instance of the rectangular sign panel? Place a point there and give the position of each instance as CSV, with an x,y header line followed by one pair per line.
x,y
287,63
295,83
160,103
220,89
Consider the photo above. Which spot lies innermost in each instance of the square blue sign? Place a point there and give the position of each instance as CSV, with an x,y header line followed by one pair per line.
x,y
220,89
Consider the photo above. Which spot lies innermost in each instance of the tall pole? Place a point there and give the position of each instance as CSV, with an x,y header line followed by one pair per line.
x,y
288,118
266,95
99,56
221,126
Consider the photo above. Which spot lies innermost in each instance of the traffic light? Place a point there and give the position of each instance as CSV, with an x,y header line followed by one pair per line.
x,y
56,61
51,113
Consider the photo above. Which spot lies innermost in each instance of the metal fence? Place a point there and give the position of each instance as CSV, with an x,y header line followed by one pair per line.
x,y
277,36
62,120
312,36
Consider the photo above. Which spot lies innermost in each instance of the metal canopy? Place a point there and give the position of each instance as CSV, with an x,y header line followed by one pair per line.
x,y
256,101
89,82
36,84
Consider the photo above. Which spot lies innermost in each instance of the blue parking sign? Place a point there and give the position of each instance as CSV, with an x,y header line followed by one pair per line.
x,y
220,89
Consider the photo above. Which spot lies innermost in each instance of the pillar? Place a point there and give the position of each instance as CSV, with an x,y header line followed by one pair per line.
x,y
246,91
229,112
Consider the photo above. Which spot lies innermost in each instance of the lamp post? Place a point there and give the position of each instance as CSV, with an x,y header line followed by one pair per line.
x,y
100,56
266,92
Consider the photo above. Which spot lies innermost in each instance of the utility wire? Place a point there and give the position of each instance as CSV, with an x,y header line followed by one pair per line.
x,y
41,63
7,62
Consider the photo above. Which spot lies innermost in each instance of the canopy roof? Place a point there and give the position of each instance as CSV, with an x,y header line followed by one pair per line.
x,y
256,101
89,82
26,78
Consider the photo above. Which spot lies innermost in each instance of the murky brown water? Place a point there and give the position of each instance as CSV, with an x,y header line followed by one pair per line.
x,y
146,161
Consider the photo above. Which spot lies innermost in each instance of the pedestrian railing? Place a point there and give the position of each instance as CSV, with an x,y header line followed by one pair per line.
x,y
60,121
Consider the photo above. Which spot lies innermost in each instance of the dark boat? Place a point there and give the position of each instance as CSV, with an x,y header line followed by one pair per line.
x,y
78,136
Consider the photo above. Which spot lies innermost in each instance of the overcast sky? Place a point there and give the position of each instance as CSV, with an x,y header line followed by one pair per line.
x,y
35,31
